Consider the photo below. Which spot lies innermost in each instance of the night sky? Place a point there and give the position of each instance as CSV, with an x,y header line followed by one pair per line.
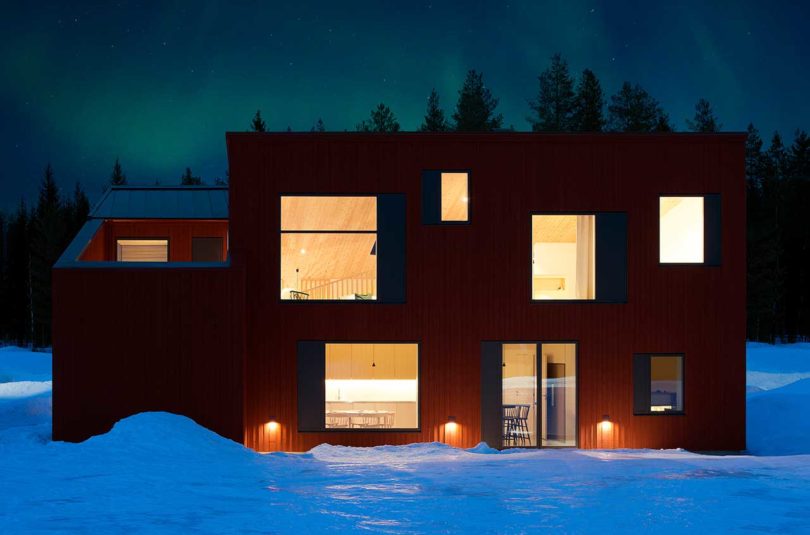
x,y
159,85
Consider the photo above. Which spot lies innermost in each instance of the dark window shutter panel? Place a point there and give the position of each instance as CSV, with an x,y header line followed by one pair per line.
x,y
391,218
641,384
491,396
611,257
712,241
311,391
431,197
206,249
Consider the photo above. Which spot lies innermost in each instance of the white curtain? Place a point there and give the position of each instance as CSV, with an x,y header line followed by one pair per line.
x,y
585,257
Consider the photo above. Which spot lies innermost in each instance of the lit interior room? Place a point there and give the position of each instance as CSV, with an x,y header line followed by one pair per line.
x,y
328,248
666,383
563,257
372,386
681,222
559,395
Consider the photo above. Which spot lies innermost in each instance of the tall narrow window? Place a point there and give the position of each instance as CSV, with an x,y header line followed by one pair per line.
x,y
371,386
455,197
563,257
142,250
328,248
658,384
681,230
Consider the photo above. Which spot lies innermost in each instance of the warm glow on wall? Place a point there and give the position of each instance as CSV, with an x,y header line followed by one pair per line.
x,y
451,426
606,425
681,230
272,426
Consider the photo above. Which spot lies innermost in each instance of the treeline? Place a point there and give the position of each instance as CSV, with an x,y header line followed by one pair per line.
x,y
777,177
31,241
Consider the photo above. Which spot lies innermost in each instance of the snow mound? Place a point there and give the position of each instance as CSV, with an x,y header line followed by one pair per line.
x,y
778,421
783,358
20,364
416,452
160,432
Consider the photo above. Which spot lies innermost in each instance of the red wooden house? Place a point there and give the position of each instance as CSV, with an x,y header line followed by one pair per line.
x,y
527,290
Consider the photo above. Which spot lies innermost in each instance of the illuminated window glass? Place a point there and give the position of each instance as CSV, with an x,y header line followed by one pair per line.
x,y
142,250
681,230
328,248
372,386
658,384
455,196
563,257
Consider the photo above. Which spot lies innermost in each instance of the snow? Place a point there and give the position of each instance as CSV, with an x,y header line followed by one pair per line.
x,y
158,472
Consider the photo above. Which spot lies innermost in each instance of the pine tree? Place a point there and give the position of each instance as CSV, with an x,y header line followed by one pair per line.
x,y
382,120
187,179
18,277
632,109
48,239
257,124
117,178
796,237
76,210
434,120
589,104
318,126
555,103
705,120
475,109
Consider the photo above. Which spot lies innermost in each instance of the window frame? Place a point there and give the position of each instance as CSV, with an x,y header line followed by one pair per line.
x,y
649,356
705,263
531,258
282,232
439,222
155,238
417,429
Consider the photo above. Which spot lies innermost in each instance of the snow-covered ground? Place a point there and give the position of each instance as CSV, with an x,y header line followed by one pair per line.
x,y
158,472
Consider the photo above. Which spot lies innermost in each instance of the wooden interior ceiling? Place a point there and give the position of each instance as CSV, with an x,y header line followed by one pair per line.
x,y
554,228
668,203
454,196
327,256
328,213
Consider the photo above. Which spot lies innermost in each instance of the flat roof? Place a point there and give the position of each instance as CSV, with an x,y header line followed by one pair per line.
x,y
162,202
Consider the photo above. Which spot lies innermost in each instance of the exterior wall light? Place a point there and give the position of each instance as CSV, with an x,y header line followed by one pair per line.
x,y
451,425
606,425
272,425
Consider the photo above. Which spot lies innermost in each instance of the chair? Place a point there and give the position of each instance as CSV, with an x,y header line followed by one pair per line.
x,y
298,296
510,415
333,422
521,425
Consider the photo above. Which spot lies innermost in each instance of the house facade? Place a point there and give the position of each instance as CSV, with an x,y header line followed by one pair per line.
x,y
522,289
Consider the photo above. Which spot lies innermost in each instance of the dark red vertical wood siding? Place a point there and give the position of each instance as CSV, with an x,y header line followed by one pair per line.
x,y
470,283
132,340
179,232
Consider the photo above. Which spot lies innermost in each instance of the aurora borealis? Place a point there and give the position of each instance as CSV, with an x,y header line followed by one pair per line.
x,y
158,84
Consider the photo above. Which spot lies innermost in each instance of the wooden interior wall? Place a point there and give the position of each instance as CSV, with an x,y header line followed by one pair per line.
x,y
468,283
132,340
179,233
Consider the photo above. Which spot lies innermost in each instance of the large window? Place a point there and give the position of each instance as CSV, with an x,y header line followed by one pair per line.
x,y
563,257
658,384
681,230
328,248
142,250
372,386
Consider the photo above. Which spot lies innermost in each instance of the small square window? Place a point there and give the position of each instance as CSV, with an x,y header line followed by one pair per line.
x,y
681,230
445,197
206,249
658,384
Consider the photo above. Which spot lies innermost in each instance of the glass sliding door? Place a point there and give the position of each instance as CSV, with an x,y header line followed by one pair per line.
x,y
558,365
519,395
